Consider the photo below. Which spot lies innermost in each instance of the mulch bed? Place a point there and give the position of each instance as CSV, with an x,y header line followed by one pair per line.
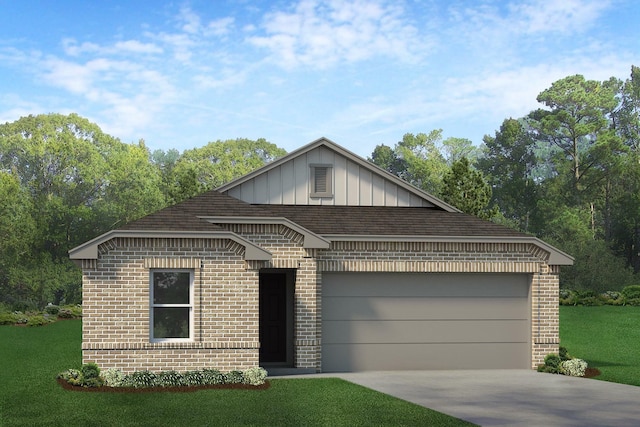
x,y
591,372
178,389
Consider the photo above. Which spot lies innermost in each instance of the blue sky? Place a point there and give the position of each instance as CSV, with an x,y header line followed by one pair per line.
x,y
362,73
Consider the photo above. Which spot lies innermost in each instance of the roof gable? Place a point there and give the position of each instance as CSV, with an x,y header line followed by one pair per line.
x,y
353,181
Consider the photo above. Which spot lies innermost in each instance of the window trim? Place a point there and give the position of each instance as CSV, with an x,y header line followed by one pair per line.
x,y
329,180
190,305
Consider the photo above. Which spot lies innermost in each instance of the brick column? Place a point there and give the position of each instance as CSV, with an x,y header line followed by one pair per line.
x,y
307,315
545,314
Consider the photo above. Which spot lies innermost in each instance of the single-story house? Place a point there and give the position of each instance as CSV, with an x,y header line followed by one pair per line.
x,y
319,261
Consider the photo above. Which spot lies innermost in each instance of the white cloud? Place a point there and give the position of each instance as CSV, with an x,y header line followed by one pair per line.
x,y
322,34
557,16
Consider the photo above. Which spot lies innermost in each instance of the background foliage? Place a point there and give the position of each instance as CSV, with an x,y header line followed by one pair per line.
x,y
568,172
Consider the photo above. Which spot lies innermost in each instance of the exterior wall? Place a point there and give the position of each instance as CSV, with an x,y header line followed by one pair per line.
x,y
353,185
226,329
116,304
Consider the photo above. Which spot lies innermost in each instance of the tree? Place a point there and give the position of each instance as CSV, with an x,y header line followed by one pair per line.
x,y
75,183
576,119
455,149
208,167
627,116
508,163
467,190
386,158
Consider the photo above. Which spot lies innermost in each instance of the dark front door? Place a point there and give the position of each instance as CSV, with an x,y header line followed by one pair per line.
x,y
273,317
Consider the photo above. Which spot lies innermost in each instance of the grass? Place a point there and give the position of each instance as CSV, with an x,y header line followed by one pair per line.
x,y
607,337
31,357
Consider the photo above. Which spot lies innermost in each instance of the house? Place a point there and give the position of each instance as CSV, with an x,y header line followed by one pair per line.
x,y
318,262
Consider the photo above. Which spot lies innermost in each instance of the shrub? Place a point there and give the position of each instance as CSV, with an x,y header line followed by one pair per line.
x,y
112,377
631,292
564,354
193,378
170,379
552,362
38,320
254,376
140,379
90,370
234,377
573,367
212,377
8,318
72,376
51,309
70,312
611,298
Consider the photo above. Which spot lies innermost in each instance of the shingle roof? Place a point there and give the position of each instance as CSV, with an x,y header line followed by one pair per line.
x,y
324,220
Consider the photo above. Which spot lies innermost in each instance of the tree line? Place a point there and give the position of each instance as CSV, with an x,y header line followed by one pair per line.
x,y
568,173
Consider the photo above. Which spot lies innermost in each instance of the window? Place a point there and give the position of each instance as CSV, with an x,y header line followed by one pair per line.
x,y
321,181
171,304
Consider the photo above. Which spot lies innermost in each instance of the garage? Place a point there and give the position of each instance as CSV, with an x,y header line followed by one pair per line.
x,y
409,321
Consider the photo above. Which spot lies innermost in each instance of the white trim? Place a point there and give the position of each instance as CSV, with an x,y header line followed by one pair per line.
x,y
190,306
311,240
89,250
556,256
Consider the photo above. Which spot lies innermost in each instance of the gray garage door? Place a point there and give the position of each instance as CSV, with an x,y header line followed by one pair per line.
x,y
403,321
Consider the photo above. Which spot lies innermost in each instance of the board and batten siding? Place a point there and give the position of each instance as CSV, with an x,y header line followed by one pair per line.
x,y
353,185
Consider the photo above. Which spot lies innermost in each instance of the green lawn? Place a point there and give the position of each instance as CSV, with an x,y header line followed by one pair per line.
x,y
607,337
30,358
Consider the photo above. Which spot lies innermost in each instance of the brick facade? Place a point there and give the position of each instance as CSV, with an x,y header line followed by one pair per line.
x,y
116,293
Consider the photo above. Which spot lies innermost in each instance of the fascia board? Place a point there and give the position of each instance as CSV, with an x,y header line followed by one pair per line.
x,y
556,256
89,250
311,240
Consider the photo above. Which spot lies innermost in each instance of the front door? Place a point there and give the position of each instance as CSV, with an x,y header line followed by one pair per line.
x,y
276,317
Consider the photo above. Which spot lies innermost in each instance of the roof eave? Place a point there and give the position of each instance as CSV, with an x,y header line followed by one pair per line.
x,y
311,239
89,250
556,256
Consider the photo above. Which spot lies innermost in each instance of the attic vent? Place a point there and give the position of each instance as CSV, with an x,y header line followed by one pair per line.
x,y
321,181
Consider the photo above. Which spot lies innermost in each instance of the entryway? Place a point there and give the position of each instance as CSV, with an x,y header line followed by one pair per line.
x,y
276,317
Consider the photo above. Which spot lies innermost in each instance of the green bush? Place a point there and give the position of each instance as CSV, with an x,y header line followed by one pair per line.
x,y
70,312
564,354
112,377
39,320
631,292
72,376
90,370
212,377
52,309
170,379
193,378
552,362
140,379
7,318
234,377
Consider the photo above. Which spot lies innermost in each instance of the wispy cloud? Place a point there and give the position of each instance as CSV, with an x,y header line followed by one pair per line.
x,y
322,34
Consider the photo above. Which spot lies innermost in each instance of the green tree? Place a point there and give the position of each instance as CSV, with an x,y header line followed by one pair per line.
x,y
577,117
386,158
467,190
76,182
508,164
208,167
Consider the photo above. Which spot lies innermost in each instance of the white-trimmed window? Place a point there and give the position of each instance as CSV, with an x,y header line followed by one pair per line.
x,y
321,182
171,305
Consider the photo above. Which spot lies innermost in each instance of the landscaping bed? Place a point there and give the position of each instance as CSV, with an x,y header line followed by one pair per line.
x,y
173,389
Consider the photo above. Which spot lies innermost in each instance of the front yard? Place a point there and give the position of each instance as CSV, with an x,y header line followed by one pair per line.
x,y
607,337
31,357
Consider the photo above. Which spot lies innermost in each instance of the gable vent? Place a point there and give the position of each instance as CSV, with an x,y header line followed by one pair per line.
x,y
321,181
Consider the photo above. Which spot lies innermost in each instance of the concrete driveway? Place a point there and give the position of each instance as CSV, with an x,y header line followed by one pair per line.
x,y
511,397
